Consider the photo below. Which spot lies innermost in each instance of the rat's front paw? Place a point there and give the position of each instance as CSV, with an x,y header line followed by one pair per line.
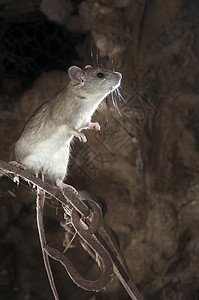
x,y
82,137
93,126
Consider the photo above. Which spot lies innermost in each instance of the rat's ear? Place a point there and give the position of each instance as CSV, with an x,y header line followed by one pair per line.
x,y
77,75
88,67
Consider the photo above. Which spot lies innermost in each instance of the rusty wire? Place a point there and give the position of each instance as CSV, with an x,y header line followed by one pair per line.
x,y
87,221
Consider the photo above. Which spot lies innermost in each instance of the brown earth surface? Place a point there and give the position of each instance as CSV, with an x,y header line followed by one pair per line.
x,y
143,165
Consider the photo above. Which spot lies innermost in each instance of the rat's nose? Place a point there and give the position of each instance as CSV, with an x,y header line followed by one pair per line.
x,y
119,74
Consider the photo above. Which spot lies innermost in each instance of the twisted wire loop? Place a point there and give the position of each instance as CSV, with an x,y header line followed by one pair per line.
x,y
87,221
87,234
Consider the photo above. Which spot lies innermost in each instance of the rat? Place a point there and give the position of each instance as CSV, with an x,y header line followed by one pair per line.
x,y
44,144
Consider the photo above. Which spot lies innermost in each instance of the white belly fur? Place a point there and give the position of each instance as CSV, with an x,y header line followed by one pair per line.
x,y
51,156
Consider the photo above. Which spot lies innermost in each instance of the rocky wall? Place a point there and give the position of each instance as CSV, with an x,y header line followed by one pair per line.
x,y
142,166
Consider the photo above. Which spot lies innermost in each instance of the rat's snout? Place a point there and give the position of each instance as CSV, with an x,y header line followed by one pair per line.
x,y
119,75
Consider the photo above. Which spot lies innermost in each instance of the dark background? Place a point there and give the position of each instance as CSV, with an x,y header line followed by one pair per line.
x,y
143,165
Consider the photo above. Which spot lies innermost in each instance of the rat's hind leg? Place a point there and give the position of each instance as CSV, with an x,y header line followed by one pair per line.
x,y
59,166
63,186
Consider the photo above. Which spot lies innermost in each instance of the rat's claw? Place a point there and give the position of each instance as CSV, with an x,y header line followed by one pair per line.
x,y
69,189
66,186
82,137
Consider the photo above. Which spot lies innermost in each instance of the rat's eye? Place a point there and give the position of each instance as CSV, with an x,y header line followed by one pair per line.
x,y
100,75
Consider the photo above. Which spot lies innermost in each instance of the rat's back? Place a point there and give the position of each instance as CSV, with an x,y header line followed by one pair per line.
x,y
44,144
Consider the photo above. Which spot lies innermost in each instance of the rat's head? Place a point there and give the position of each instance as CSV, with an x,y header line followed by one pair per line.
x,y
94,82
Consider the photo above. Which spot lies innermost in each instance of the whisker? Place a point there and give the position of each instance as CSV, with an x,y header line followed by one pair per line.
x,y
92,56
113,65
123,90
113,99
117,94
115,104
105,110
97,57
120,95
126,82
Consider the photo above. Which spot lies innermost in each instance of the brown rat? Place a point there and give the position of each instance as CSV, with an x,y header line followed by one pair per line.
x,y
44,144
